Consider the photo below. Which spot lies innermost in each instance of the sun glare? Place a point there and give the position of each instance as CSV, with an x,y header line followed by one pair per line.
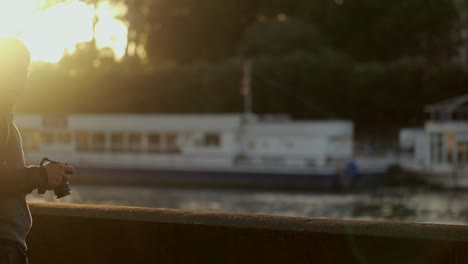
x,y
52,31
109,31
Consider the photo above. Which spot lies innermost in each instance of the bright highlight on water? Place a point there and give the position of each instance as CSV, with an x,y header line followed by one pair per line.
x,y
52,29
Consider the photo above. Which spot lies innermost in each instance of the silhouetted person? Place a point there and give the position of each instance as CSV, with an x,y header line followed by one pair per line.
x,y
16,179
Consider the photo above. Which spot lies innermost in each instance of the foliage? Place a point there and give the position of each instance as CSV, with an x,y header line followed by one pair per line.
x,y
377,62
275,38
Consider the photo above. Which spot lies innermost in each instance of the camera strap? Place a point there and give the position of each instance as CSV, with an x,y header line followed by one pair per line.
x,y
42,190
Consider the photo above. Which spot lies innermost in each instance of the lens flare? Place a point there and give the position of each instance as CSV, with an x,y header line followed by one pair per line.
x,y
109,31
53,30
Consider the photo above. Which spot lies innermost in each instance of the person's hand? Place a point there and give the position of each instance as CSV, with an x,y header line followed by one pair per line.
x,y
57,173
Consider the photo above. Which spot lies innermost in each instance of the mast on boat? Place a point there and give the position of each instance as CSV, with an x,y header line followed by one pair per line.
x,y
246,93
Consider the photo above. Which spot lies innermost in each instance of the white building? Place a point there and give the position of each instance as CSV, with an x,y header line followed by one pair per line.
x,y
439,151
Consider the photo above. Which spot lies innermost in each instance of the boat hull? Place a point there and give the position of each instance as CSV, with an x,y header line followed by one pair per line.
x,y
225,178
447,179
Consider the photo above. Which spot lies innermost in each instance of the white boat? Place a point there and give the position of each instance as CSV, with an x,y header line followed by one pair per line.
x,y
230,149
438,152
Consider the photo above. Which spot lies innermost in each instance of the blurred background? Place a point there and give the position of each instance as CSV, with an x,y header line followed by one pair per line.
x,y
279,107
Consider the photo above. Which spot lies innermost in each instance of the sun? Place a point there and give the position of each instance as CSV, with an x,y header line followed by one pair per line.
x,y
51,30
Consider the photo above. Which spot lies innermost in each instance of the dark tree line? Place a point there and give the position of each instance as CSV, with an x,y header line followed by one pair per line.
x,y
374,61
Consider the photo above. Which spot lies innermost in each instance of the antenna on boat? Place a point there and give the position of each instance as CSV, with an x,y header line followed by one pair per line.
x,y
246,88
246,93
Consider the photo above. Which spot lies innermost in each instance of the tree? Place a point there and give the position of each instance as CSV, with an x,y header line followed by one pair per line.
x,y
190,30
380,30
276,38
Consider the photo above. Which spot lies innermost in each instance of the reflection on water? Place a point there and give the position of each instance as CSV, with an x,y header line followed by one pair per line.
x,y
398,205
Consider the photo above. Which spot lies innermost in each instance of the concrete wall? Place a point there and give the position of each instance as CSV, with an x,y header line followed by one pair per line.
x,y
96,234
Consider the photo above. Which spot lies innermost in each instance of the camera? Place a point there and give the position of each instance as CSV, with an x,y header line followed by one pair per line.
x,y
64,188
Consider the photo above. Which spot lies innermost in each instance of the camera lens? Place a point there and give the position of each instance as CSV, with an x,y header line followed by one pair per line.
x,y
63,190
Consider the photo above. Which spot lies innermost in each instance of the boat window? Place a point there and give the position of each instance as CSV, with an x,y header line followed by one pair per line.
x,y
171,143
428,116
99,142
460,115
464,116
449,157
47,137
31,139
171,139
465,153
64,137
117,142
34,141
462,151
212,140
82,141
134,140
437,148
449,147
154,141
440,150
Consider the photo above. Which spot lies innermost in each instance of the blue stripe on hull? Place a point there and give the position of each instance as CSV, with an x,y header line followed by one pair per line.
x,y
218,178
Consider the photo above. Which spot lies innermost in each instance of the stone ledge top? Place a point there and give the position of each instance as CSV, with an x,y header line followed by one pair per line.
x,y
261,222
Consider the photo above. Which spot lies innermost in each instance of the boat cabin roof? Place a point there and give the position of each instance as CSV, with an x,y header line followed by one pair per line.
x,y
452,108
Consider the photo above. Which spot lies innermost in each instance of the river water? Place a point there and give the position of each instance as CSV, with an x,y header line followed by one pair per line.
x,y
385,204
